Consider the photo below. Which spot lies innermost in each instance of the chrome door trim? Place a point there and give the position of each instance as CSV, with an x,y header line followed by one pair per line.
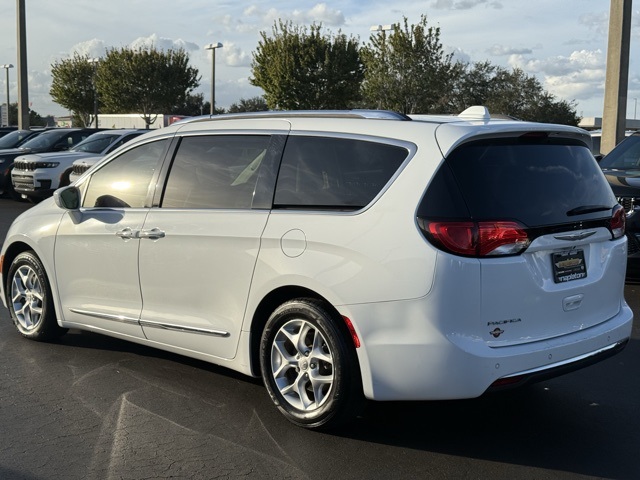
x,y
106,316
183,329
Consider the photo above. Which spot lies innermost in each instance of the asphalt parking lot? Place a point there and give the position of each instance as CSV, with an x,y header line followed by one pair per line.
x,y
93,407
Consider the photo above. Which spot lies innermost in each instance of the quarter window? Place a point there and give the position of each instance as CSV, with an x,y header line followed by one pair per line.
x,y
125,181
215,171
335,173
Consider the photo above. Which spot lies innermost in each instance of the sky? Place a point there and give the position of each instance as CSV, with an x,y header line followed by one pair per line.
x,y
563,43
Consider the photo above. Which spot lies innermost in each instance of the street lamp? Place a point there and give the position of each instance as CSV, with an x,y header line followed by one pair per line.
x,y
7,66
381,28
95,62
212,47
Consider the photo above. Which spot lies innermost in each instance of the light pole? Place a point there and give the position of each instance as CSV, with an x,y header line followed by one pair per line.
x,y
95,62
635,107
212,47
7,66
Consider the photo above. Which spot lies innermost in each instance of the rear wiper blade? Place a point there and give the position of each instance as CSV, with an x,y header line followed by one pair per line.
x,y
588,209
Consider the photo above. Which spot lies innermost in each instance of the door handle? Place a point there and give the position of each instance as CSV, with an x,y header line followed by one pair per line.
x,y
153,234
127,233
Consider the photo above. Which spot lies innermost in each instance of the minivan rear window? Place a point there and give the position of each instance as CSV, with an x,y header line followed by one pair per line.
x,y
536,182
334,173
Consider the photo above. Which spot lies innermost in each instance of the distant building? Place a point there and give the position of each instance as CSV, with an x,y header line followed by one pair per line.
x,y
595,123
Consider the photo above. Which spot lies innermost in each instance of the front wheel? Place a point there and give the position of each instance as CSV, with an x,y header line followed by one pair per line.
x,y
308,366
29,299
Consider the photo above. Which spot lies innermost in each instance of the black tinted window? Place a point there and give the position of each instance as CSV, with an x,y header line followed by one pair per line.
x,y
625,156
321,172
125,181
216,171
536,183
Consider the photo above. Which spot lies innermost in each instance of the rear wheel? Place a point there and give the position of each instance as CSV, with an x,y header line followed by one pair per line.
x,y
308,366
29,299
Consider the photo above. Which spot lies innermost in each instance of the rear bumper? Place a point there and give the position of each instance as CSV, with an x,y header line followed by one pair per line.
x,y
405,356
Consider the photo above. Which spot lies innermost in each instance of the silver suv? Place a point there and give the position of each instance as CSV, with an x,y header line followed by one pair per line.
x,y
338,255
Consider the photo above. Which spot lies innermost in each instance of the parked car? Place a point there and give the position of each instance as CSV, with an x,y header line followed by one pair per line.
x,y
6,130
621,167
54,140
36,176
338,255
17,137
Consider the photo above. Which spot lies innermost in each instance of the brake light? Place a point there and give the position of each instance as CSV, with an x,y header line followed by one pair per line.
x,y
618,221
477,239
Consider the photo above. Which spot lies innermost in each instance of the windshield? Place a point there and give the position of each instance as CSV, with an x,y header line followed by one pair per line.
x,y
537,183
625,156
44,141
95,143
14,139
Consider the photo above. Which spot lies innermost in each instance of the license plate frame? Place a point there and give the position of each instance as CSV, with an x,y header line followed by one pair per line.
x,y
568,265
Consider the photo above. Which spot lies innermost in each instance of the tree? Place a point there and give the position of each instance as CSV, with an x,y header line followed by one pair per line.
x,y
254,104
407,71
510,92
73,88
302,68
145,81
192,106
35,119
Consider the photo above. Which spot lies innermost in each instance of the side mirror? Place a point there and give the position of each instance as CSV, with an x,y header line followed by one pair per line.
x,y
67,197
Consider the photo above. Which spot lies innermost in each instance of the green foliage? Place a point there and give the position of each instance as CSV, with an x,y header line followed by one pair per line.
x,y
145,81
35,119
407,70
302,68
254,104
72,86
510,92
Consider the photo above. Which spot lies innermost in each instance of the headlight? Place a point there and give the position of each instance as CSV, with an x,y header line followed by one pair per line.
x,y
47,164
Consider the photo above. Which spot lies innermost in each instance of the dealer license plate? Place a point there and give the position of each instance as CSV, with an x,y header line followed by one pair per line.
x,y
568,266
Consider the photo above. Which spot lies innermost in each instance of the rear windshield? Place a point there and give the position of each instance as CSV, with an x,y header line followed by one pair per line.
x,y
537,182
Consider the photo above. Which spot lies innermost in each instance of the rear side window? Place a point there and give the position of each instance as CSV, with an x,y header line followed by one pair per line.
x,y
335,173
535,182
215,171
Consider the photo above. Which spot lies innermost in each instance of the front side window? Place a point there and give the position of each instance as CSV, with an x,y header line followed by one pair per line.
x,y
216,171
125,181
334,173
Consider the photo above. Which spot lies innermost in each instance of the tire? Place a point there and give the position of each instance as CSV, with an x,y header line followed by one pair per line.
x,y
309,365
30,300
65,179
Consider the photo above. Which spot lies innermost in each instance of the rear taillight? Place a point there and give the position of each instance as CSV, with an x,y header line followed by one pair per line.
x,y
618,221
477,239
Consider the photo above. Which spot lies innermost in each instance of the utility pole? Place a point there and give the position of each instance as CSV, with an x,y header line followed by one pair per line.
x,y
23,89
614,115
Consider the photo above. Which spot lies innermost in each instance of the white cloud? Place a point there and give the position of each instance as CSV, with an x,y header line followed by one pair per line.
x,y
502,50
598,22
162,43
581,75
464,4
319,13
234,56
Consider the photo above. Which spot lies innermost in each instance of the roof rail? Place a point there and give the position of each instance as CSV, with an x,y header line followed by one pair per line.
x,y
357,113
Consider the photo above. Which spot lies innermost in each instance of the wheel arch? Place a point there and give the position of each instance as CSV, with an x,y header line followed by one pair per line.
x,y
10,254
273,300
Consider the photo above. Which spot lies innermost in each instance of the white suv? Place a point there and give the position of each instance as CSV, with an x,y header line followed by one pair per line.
x,y
339,255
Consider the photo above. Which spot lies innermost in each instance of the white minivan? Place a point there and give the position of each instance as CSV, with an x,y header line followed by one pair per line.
x,y
339,255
